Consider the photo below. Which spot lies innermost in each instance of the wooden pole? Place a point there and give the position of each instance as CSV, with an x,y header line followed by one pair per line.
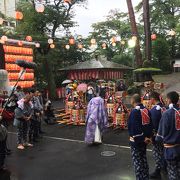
x,y
134,30
147,30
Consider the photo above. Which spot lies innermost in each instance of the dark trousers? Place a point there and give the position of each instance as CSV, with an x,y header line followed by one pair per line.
x,y
22,131
34,129
158,154
2,152
140,162
173,167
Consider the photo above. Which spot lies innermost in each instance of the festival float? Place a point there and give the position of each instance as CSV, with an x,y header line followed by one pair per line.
x,y
94,73
146,84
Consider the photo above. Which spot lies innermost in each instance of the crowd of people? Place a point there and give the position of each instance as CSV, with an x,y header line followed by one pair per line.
x,y
26,109
159,126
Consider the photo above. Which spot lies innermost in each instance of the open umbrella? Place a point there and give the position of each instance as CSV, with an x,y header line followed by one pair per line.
x,y
67,81
82,87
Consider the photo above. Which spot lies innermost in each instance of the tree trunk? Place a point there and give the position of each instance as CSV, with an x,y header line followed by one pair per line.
x,y
134,31
50,79
147,30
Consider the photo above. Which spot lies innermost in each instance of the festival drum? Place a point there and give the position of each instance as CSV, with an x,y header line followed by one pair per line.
x,y
69,106
75,115
82,115
110,109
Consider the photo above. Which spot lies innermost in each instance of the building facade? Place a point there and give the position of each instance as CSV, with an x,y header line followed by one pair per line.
x,y
7,7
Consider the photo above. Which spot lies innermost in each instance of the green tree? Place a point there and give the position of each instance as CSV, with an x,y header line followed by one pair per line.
x,y
124,59
161,54
55,20
164,16
116,25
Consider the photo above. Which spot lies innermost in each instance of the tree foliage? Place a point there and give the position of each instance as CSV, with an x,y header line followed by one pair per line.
x,y
53,23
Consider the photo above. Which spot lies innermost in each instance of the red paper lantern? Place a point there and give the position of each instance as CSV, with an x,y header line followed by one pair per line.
x,y
28,38
71,41
18,15
153,37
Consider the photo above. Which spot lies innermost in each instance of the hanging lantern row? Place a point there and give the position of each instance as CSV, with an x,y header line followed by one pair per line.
x,y
27,76
13,58
23,84
5,38
18,50
12,67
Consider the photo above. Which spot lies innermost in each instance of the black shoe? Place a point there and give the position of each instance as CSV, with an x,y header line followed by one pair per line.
x,y
156,174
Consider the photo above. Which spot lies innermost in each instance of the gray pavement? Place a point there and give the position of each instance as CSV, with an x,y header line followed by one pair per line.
x,y
58,159
62,155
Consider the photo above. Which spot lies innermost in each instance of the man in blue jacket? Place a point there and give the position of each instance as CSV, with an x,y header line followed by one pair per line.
x,y
156,114
169,134
140,132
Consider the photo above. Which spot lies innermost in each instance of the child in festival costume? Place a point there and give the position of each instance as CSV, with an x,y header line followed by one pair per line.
x,y
169,134
158,148
140,132
23,114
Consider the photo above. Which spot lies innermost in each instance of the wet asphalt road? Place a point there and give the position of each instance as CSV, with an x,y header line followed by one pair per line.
x,y
53,158
62,155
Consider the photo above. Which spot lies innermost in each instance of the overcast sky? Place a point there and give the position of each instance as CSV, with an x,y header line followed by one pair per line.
x,y
96,11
